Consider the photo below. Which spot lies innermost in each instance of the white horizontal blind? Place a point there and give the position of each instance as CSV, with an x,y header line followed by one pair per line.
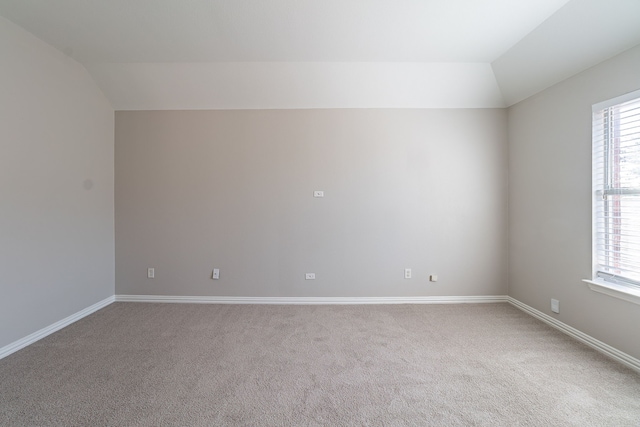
x,y
616,183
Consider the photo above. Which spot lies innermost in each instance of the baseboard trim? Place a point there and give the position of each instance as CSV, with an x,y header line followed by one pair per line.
x,y
598,345
38,335
312,300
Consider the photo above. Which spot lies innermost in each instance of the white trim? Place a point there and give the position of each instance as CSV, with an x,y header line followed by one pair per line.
x,y
38,335
615,101
606,349
312,300
614,290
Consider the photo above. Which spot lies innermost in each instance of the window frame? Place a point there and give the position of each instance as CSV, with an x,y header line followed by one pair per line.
x,y
626,288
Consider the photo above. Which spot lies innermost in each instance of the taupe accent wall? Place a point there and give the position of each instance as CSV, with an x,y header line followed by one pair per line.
x,y
56,187
419,189
550,203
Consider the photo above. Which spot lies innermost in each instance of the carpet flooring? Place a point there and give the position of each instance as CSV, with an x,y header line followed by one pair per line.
x,y
136,364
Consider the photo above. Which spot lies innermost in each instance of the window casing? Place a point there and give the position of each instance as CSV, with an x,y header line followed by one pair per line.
x,y
616,196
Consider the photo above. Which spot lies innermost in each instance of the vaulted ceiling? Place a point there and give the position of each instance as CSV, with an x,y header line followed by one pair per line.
x,y
190,54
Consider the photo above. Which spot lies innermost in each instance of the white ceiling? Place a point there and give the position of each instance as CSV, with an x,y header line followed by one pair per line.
x,y
288,85
225,52
281,30
580,35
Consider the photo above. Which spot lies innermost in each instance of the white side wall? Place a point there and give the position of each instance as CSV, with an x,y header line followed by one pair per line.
x,y
56,186
550,202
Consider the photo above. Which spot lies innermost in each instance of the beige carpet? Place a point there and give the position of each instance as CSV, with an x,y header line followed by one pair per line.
x,y
265,365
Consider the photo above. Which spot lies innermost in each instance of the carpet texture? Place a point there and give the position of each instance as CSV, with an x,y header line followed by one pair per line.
x,y
135,364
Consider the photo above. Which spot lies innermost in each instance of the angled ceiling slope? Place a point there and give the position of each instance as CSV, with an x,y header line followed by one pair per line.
x,y
123,31
220,54
580,35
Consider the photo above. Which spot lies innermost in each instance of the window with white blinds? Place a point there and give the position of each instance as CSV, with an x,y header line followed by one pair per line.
x,y
616,185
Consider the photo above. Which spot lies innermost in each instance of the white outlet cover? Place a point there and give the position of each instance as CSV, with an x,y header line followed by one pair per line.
x,y
407,273
555,305
318,193
310,276
151,273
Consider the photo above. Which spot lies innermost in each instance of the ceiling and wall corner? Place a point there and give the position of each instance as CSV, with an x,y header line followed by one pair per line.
x,y
163,55
299,85
580,35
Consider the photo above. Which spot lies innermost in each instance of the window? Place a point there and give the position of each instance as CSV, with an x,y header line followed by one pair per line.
x,y
616,192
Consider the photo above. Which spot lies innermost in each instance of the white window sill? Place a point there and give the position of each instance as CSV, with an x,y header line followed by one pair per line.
x,y
617,291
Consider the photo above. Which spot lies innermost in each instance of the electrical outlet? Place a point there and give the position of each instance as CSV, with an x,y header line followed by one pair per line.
x,y
310,276
407,273
151,273
216,274
433,278
555,305
318,193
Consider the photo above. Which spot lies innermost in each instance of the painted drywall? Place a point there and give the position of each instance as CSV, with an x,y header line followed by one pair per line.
x,y
420,189
550,202
580,35
56,187
292,85
157,31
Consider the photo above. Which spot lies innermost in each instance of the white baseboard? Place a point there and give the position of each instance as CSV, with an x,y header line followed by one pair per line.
x,y
38,335
606,349
312,300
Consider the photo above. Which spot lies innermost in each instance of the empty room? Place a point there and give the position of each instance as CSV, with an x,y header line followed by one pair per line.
x,y
320,213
